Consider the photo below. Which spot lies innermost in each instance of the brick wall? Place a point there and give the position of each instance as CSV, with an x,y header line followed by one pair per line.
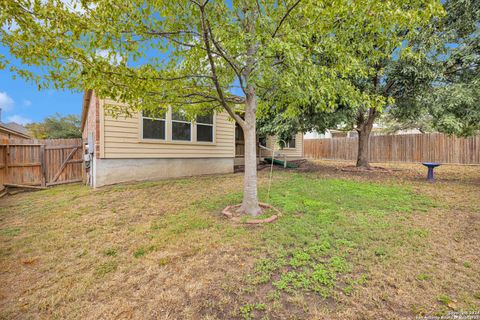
x,y
92,123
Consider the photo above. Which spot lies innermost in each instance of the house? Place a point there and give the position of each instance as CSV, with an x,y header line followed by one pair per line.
x,y
13,130
139,147
292,148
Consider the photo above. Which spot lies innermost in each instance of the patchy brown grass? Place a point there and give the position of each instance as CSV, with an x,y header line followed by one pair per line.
x,y
162,250
418,282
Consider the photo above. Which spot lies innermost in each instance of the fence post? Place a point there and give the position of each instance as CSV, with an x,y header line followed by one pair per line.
x,y
7,154
42,165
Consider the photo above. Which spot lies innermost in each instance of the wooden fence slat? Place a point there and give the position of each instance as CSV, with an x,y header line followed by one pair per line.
x,y
64,164
65,181
59,147
27,164
7,155
42,169
40,162
399,148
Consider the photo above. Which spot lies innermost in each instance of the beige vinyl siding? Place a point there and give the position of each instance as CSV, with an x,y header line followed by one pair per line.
x,y
295,153
122,138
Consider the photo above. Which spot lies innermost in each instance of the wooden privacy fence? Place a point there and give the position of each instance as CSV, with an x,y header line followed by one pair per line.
x,y
399,148
40,162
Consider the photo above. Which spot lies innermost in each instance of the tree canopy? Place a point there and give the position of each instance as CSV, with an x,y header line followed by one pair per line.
x,y
56,127
204,55
379,55
154,53
450,98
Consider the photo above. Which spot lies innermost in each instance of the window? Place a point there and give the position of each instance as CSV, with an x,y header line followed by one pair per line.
x,y
153,125
181,127
262,141
238,133
205,128
289,143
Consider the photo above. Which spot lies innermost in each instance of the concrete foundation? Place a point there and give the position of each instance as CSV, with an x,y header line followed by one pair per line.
x,y
240,161
111,171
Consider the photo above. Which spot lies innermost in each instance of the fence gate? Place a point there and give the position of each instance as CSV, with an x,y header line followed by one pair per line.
x,y
40,162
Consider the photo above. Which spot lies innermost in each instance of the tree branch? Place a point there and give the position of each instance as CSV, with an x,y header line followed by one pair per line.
x,y
389,85
285,17
227,58
221,96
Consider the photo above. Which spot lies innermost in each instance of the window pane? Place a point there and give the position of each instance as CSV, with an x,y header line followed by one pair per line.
x,y
291,143
179,115
205,119
238,133
181,131
204,133
262,141
153,129
159,114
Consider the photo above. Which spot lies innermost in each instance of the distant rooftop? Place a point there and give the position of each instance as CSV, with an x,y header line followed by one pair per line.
x,y
15,127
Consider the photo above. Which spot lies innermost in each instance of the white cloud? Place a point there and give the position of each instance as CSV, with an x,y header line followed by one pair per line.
x,y
113,58
27,103
6,102
10,26
73,6
76,6
19,119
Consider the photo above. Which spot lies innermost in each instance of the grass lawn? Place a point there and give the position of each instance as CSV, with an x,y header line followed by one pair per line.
x,y
347,246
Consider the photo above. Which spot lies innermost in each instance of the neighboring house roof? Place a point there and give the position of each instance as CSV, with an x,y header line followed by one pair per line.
x,y
87,95
15,129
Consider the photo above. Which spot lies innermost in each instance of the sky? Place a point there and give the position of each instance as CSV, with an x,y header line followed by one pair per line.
x,y
23,103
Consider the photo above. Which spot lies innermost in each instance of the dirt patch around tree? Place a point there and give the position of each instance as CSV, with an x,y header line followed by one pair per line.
x,y
362,169
268,214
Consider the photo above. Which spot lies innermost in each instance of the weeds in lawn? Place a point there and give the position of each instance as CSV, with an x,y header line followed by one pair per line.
x,y
346,246
246,311
140,252
423,277
10,232
105,268
327,224
110,252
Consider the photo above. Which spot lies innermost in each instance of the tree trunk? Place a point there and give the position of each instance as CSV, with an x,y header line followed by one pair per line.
x,y
363,148
250,196
364,128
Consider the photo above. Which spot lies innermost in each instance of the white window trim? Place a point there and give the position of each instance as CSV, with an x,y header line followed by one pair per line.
x,y
151,118
168,132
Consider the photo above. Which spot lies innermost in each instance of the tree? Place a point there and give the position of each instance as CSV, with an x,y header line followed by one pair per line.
x,y
399,73
198,55
450,100
56,127
189,54
383,59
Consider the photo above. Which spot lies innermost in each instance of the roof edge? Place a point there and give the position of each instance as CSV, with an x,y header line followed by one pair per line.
x,y
26,136
87,96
